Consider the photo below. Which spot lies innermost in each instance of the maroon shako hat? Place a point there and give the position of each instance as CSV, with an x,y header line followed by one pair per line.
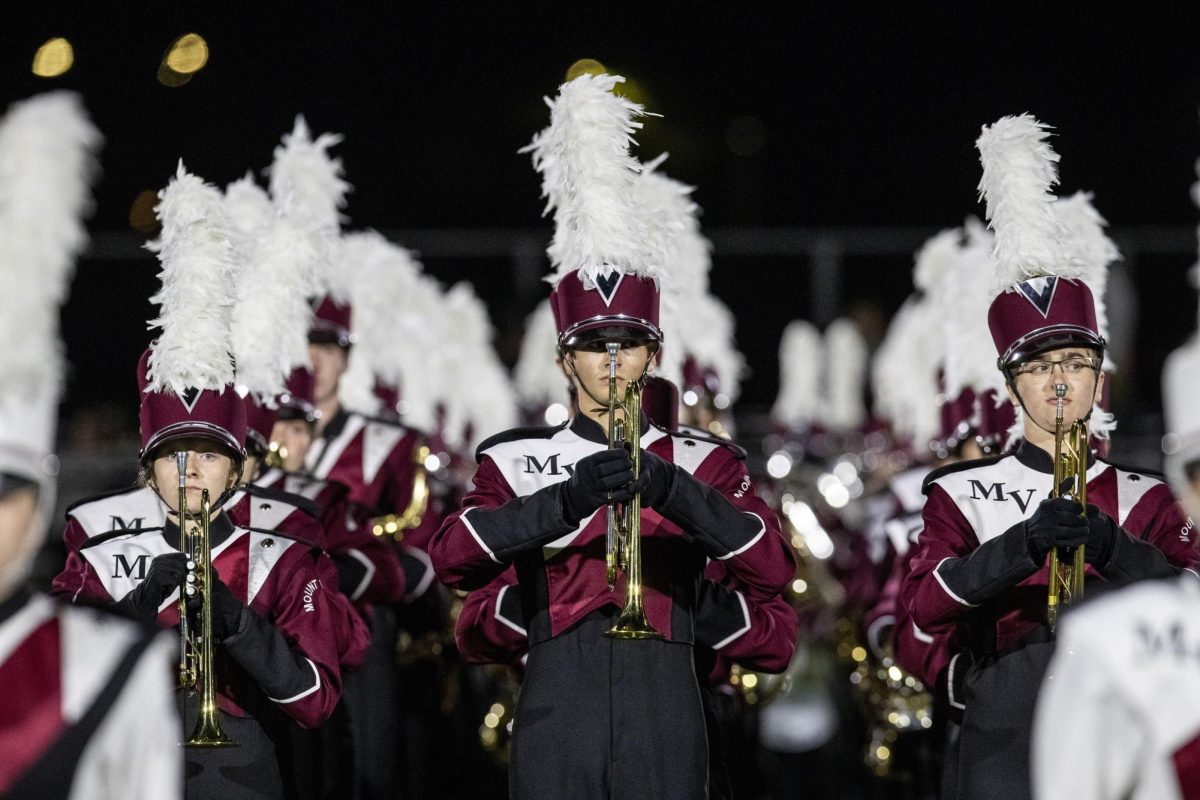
x,y
299,399
331,323
219,415
582,306
1042,314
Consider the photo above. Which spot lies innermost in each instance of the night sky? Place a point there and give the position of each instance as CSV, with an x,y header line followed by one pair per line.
x,y
843,114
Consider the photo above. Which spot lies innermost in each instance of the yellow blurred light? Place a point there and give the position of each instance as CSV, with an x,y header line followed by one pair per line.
x,y
750,680
53,58
585,66
188,54
141,212
859,654
882,753
491,720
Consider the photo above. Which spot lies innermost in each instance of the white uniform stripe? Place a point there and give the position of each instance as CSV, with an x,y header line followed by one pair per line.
x,y
503,619
762,529
367,576
316,685
741,631
479,540
937,574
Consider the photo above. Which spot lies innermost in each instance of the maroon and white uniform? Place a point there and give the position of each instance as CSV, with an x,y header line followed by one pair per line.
x,y
87,709
282,663
513,515
1119,712
377,461
376,564
972,576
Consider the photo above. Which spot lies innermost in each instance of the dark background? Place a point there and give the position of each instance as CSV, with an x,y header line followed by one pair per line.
x,y
807,115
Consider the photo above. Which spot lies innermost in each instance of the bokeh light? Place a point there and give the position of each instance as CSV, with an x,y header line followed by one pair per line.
x,y
53,58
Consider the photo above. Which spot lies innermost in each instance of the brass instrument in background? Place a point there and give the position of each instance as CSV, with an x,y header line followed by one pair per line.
x,y
623,540
196,651
1070,468
395,525
895,702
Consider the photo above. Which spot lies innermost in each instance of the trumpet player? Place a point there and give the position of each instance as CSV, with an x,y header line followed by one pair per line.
x,y
273,648
602,716
980,564
87,708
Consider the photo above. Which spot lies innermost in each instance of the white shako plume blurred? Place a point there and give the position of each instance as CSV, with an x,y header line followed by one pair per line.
x,y
588,181
193,348
844,410
538,381
904,370
47,163
307,186
801,366
390,322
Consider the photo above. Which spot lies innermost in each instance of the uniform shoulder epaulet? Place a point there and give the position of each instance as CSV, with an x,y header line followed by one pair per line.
x,y
950,469
685,433
516,434
299,501
1149,473
103,496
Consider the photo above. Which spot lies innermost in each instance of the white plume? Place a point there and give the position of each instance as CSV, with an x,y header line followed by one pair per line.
x,y
307,187
970,353
801,364
904,372
47,163
477,397
196,298
845,372
389,336
249,208
1088,245
270,322
1019,173
536,377
706,333
936,259
588,180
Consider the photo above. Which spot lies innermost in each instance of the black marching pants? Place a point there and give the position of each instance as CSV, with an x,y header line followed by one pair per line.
x,y
602,719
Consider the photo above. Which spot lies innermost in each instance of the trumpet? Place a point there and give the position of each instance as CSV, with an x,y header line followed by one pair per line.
x,y
1070,467
623,538
196,649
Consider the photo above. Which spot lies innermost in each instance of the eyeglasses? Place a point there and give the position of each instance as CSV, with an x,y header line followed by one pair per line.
x,y
1071,367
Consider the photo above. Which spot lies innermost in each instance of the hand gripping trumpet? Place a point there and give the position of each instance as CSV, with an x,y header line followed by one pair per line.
x,y
1070,478
623,541
196,651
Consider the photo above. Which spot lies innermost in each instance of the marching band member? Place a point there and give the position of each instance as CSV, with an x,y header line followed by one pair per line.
x,y
87,708
978,568
272,620
1119,712
538,493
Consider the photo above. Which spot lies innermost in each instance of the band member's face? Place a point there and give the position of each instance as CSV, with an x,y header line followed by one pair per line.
x,y
591,368
294,436
329,362
207,468
19,527
1077,367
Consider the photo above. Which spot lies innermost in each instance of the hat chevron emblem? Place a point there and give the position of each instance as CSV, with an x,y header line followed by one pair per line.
x,y
608,284
190,397
1039,292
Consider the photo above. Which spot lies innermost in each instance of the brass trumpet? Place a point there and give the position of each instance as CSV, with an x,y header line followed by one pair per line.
x,y
1070,466
623,540
196,651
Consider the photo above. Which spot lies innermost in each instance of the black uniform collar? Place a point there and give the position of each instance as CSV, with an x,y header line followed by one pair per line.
x,y
587,428
336,423
220,528
14,604
1039,460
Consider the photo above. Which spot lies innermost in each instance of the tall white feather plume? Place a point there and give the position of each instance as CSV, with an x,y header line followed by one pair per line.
x,y
389,336
196,299
307,186
801,365
588,181
423,392
47,162
845,371
249,208
970,353
894,377
1019,172
477,396
270,322
537,379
